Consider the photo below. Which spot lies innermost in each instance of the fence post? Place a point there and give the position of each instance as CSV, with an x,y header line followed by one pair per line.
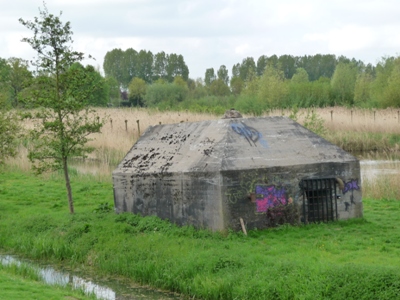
x,y
138,127
111,123
374,115
126,125
331,115
398,116
351,116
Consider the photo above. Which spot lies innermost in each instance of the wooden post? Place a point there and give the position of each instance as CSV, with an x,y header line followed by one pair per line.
x,y
374,115
398,116
243,227
126,125
351,116
331,115
159,123
138,127
111,123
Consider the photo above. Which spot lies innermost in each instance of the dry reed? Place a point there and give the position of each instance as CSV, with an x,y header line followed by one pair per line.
x,y
121,131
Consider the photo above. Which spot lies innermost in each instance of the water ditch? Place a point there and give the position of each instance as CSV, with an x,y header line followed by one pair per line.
x,y
102,288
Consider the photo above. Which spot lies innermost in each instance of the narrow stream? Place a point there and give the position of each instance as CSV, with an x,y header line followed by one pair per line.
x,y
103,289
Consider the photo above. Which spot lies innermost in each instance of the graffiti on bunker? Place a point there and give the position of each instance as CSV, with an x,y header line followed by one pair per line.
x,y
252,135
270,196
351,186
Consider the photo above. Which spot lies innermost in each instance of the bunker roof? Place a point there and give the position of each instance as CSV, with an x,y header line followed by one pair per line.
x,y
228,144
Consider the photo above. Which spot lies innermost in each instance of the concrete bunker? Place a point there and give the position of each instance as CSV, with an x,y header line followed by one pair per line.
x,y
211,174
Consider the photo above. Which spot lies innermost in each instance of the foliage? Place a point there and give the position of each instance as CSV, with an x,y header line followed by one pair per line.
x,y
169,93
273,88
314,122
125,65
10,129
137,91
62,93
19,78
343,83
209,76
219,88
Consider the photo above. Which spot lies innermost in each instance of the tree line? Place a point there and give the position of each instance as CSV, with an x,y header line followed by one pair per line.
x,y
141,78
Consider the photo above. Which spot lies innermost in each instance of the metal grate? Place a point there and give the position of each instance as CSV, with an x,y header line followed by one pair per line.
x,y
319,200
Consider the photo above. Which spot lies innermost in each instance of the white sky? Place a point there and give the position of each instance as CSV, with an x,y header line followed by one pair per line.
x,y
211,33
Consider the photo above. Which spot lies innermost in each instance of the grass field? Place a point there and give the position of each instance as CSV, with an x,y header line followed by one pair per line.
x,y
356,259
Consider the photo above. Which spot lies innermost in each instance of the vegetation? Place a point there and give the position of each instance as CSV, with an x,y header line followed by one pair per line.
x,y
24,283
62,93
340,260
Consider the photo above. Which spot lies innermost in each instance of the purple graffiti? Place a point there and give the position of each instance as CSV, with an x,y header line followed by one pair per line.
x,y
269,196
250,134
351,185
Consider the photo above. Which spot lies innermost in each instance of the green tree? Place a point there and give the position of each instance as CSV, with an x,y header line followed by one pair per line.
x,y
209,77
137,91
145,66
262,62
114,95
237,85
176,66
222,74
247,68
273,87
219,88
9,130
343,82
362,89
64,121
391,93
300,76
19,78
113,66
5,89
160,66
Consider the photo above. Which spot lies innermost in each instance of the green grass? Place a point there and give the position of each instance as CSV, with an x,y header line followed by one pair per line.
x,y
23,282
355,259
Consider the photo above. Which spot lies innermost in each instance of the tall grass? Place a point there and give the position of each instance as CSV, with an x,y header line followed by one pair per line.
x,y
362,130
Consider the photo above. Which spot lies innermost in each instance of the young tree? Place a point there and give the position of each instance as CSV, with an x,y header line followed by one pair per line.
x,y
64,119
137,91
343,82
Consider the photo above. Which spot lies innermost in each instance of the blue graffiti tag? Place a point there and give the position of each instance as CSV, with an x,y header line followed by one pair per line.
x,y
250,134
351,185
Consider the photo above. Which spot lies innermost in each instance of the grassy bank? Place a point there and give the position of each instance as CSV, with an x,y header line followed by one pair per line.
x,y
22,282
354,259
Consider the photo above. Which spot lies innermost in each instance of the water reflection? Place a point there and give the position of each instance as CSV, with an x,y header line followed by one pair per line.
x,y
112,290
371,169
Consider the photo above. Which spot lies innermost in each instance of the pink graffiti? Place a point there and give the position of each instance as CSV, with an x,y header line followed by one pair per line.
x,y
269,196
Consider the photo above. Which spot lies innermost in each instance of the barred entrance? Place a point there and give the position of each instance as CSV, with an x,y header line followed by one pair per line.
x,y
319,200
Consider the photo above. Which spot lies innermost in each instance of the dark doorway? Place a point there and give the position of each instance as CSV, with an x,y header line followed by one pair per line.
x,y
319,200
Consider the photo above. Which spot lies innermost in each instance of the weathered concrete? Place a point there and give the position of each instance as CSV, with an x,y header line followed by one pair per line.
x,y
211,173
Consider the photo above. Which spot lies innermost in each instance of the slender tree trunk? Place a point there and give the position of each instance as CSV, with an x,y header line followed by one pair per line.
x,y
68,186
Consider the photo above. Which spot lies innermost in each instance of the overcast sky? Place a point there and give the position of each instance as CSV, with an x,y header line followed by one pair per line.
x,y
211,33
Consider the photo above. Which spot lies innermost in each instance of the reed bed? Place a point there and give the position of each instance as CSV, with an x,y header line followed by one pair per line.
x,y
353,130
